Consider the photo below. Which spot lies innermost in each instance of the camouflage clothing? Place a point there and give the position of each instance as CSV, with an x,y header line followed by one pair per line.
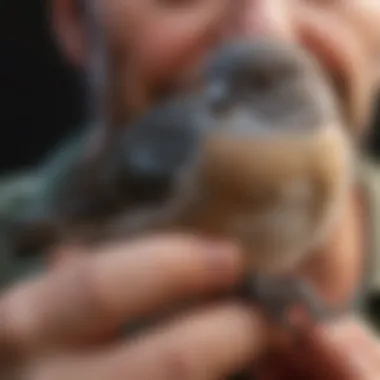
x,y
25,189
15,194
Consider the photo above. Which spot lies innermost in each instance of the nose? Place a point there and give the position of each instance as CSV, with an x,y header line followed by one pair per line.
x,y
262,18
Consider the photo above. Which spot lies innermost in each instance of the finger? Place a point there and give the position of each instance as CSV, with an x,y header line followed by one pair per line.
x,y
206,345
343,350
102,292
363,340
64,255
279,365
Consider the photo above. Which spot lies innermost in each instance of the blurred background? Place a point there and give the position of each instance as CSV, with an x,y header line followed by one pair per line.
x,y
42,98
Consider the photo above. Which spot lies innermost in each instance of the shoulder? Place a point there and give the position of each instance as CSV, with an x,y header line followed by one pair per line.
x,y
28,192
17,190
17,193
24,192
20,190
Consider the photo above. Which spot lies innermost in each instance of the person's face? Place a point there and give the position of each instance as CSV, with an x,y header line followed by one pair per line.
x,y
155,43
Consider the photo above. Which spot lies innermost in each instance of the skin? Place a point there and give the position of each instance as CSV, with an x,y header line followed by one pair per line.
x,y
153,47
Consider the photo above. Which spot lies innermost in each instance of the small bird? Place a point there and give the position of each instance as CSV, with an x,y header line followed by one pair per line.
x,y
259,154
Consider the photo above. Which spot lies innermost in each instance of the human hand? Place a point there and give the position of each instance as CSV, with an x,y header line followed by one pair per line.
x,y
61,325
344,350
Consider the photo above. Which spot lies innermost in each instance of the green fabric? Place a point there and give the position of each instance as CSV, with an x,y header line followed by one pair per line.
x,y
23,192
16,192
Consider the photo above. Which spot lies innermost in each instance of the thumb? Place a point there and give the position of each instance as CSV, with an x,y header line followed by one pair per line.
x,y
340,350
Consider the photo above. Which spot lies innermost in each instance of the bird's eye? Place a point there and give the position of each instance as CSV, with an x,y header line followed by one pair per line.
x,y
263,82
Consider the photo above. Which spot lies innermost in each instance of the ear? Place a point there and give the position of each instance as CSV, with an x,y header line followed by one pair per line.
x,y
67,21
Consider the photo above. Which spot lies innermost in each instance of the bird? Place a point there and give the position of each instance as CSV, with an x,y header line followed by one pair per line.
x,y
259,153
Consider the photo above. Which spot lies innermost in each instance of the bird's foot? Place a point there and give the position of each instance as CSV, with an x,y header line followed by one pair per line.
x,y
289,301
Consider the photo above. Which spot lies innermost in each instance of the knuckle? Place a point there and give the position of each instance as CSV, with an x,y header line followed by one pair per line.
x,y
72,302
178,253
178,241
85,292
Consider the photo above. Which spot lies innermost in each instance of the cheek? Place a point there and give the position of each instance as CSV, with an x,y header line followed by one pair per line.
x,y
166,44
339,45
363,18
368,18
167,50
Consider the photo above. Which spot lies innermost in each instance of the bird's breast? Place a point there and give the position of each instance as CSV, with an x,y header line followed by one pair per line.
x,y
277,196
